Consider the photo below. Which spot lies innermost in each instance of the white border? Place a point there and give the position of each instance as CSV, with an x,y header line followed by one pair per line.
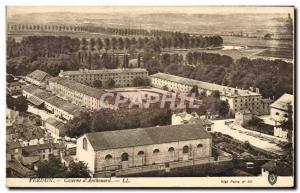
x,y
3,3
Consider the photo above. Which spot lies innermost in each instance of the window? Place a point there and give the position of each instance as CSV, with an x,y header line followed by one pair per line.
x,y
49,150
124,157
156,151
140,153
171,149
199,145
277,113
44,156
185,149
84,144
108,157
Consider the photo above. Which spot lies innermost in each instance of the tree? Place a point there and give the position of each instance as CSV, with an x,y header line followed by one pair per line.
x,y
77,126
92,44
215,94
20,104
99,44
195,90
77,170
110,83
114,43
120,43
138,81
224,108
10,102
106,44
97,83
51,169
84,44
165,87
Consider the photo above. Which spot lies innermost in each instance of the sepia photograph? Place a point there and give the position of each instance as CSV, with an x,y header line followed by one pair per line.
x,y
150,96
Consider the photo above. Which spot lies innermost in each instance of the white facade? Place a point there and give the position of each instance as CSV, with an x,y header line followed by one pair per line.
x,y
237,99
122,77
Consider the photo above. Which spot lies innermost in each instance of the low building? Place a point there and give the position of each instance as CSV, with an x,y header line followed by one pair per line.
x,y
282,107
38,77
242,117
44,151
124,149
54,126
193,118
183,118
121,76
238,99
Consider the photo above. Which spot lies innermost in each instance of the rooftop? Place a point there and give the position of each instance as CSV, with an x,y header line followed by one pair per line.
x,y
283,102
225,90
56,123
39,75
104,71
64,105
76,86
41,96
146,136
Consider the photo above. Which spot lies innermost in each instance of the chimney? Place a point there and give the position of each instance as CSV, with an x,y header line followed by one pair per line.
x,y
257,90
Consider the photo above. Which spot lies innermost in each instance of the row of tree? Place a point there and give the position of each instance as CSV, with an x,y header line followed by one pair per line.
x,y
109,120
272,77
51,46
133,31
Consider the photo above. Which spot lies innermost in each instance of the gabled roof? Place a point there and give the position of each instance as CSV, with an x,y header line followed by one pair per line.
x,y
283,102
39,75
146,136
76,86
225,90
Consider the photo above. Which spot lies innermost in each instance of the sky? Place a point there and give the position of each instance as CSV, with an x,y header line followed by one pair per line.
x,y
12,10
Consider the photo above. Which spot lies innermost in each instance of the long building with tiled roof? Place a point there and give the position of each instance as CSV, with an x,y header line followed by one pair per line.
x,y
143,146
238,99
121,76
61,108
76,92
38,77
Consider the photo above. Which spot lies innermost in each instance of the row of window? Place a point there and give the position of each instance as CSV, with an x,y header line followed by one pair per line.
x,y
125,156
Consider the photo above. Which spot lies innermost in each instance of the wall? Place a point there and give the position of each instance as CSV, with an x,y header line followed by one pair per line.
x,y
149,157
87,156
278,115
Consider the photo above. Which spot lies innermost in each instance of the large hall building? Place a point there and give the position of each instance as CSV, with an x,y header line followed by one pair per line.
x,y
131,150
